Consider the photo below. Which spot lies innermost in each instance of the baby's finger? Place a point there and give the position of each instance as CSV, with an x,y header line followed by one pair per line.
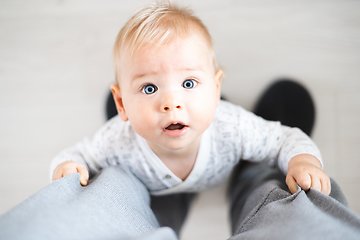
x,y
304,181
291,183
325,186
68,171
315,183
57,175
84,174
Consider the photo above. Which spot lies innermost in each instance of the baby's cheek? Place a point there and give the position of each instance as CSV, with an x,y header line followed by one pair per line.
x,y
206,116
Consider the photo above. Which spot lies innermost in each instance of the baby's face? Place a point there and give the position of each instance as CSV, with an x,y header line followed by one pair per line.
x,y
169,93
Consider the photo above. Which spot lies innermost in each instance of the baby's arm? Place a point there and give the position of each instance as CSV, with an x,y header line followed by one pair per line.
x,y
72,160
87,156
306,171
69,167
293,151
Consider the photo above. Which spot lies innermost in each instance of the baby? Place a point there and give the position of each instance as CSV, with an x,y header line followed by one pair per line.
x,y
172,130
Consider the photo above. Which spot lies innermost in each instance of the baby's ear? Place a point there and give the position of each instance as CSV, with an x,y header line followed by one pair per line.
x,y
218,76
118,102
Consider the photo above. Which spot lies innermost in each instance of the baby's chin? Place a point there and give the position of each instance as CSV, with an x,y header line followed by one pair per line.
x,y
176,145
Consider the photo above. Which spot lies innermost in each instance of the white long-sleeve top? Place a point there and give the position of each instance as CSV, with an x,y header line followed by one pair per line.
x,y
234,134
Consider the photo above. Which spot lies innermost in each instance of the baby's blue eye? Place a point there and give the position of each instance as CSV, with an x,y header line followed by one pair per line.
x,y
189,83
149,89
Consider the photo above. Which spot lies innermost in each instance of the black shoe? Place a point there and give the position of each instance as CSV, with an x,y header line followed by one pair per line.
x,y
110,107
288,102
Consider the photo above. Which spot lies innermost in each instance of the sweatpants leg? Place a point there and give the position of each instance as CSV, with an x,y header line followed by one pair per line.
x,y
115,205
172,210
263,208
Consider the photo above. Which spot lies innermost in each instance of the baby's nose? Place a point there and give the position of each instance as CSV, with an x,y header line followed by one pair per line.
x,y
166,108
170,103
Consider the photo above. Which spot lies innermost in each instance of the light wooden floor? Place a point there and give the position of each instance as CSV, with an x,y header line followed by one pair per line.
x,y
56,69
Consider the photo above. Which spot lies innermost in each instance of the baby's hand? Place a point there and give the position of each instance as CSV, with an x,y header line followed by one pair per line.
x,y
69,167
305,170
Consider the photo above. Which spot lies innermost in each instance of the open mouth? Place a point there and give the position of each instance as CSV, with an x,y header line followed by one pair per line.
x,y
175,126
176,129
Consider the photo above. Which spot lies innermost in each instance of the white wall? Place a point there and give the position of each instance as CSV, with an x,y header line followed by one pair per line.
x,y
56,69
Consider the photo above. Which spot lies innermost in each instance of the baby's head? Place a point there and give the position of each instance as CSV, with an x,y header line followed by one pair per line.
x,y
157,25
168,82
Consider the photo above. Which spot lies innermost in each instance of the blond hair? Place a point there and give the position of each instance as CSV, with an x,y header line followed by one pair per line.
x,y
158,24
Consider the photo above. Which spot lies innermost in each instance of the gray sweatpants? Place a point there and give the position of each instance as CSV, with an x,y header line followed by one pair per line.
x,y
116,205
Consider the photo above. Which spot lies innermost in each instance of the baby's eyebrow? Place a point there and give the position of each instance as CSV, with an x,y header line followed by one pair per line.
x,y
140,75
197,68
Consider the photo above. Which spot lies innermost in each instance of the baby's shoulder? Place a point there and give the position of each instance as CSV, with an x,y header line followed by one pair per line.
x,y
231,116
228,113
227,119
116,128
226,129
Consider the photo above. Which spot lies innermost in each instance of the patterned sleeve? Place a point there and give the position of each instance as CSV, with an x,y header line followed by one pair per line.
x,y
90,153
262,139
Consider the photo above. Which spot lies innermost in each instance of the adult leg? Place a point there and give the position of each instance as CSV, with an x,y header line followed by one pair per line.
x,y
291,104
262,206
115,205
172,210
